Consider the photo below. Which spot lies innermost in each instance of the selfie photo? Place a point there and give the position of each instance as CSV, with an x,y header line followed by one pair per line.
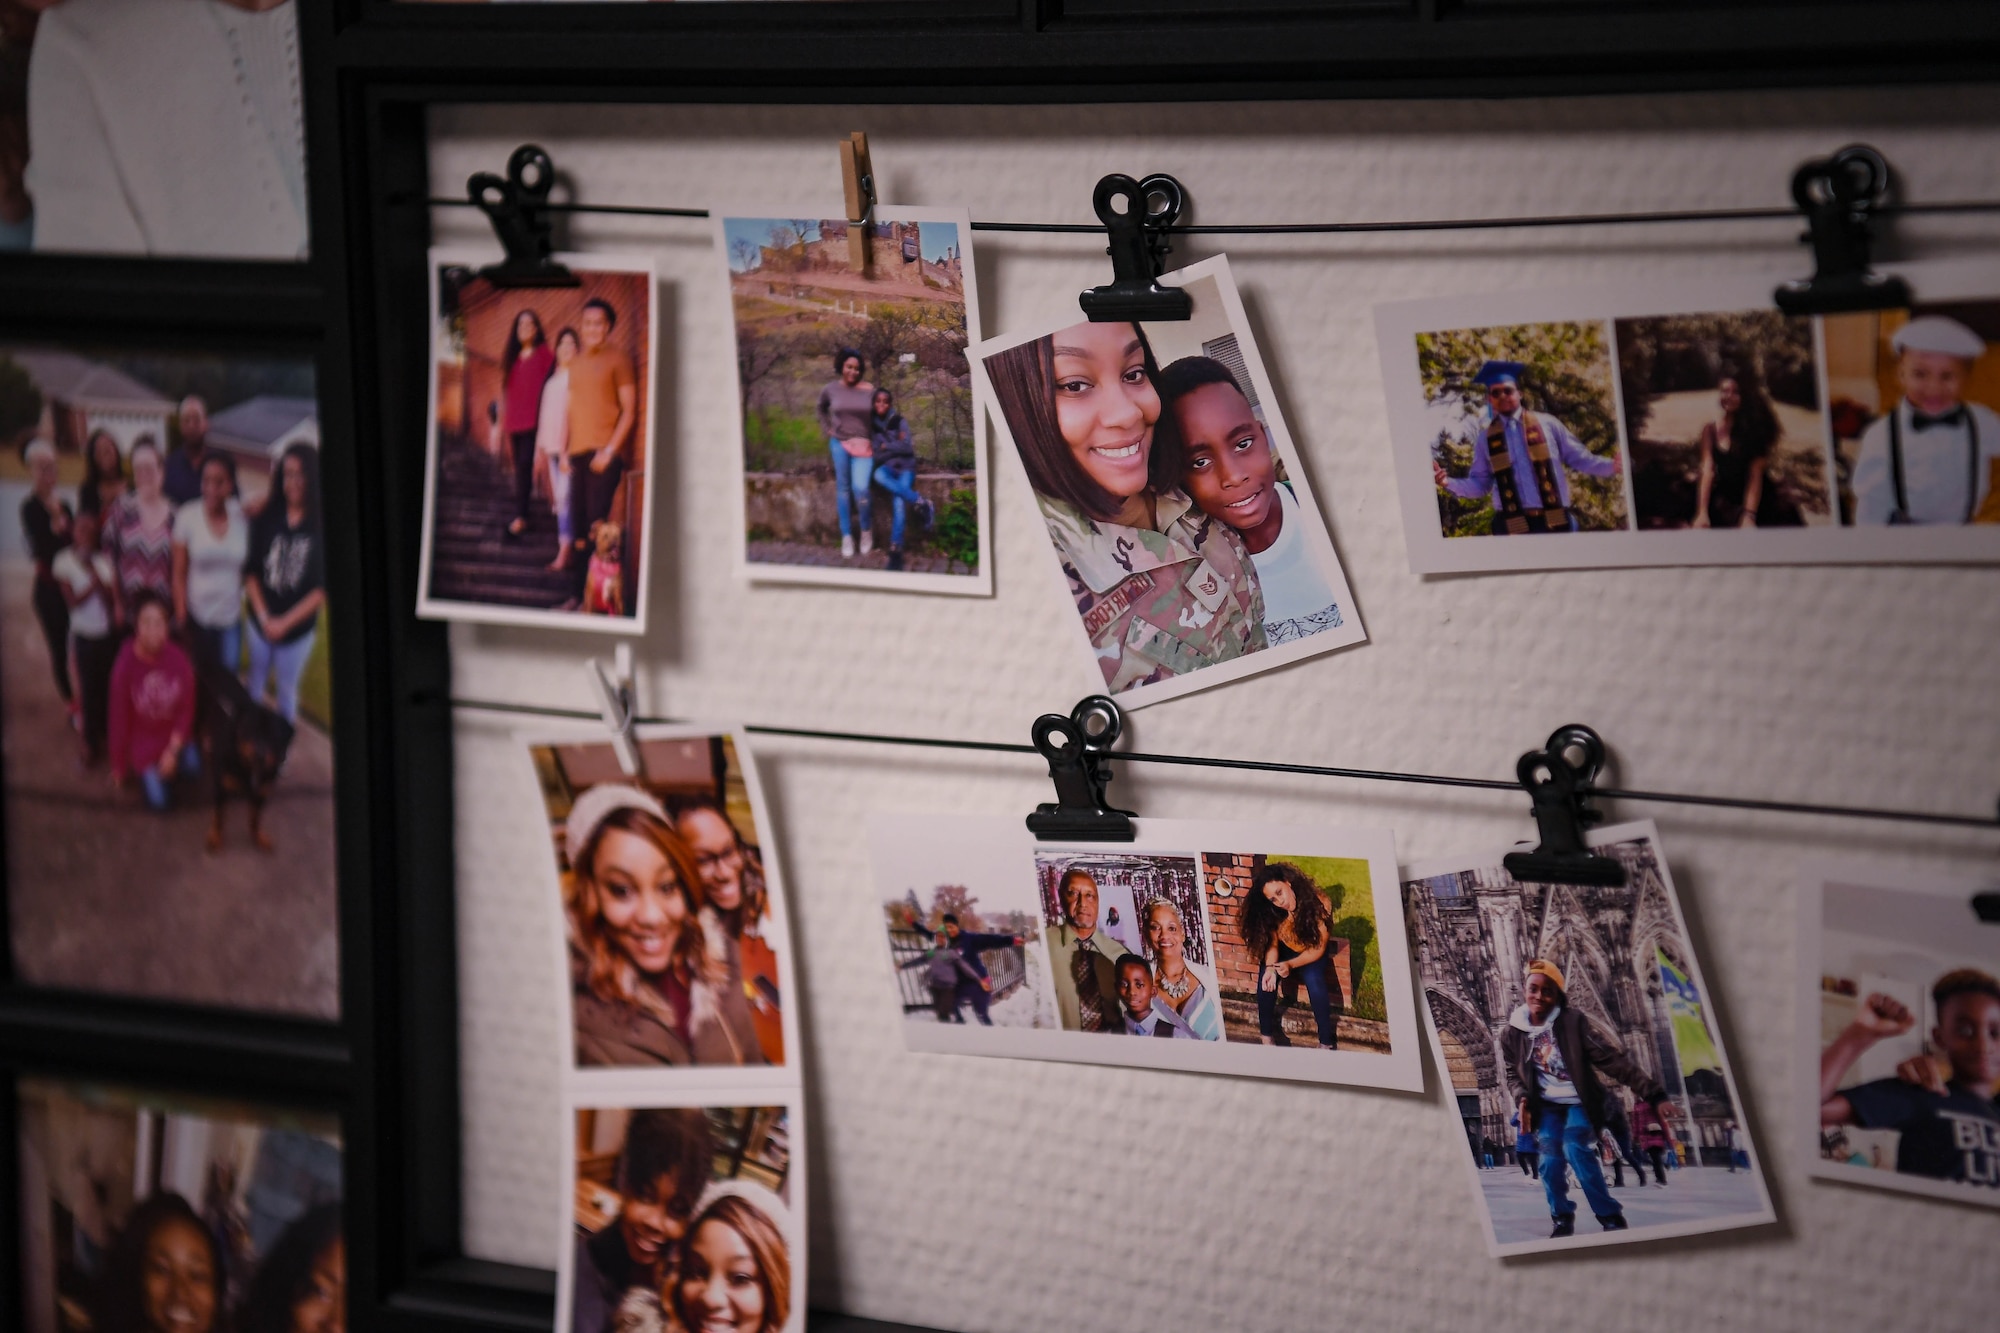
x,y
541,448
863,459
166,1214
683,1220
672,921
165,678
1183,528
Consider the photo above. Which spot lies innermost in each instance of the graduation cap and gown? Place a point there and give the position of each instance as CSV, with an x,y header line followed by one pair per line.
x,y
1520,463
1916,467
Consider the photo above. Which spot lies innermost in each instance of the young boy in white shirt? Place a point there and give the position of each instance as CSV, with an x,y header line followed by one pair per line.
x,y
1932,457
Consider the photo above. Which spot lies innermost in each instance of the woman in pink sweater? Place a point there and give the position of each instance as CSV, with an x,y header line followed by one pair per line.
x,y
152,706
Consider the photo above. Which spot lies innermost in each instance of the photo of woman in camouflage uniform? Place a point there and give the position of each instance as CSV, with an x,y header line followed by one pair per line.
x,y
1165,591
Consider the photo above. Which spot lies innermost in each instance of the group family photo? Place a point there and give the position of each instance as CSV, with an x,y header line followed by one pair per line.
x,y
683,1222
1902,1030
1575,1034
165,1214
541,448
671,921
861,452
165,677
1183,528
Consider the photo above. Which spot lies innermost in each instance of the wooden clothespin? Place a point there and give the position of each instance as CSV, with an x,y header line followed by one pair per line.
x,y
859,178
617,704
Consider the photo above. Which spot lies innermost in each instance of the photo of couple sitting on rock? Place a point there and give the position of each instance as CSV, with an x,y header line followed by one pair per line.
x,y
1185,530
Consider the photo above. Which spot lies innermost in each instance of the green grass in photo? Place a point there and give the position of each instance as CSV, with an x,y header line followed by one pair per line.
x,y
1345,884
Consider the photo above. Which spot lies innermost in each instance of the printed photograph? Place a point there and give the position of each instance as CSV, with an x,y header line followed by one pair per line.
x,y
1912,397
165,699
673,934
1149,940
156,1212
1573,1027
1129,945
1902,1027
1297,951
683,1219
1523,430
862,457
1723,415
541,446
1183,528
152,129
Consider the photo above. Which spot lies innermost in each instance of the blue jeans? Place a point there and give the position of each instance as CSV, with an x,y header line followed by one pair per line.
x,y
899,482
1313,978
158,794
287,660
850,478
1565,1134
223,646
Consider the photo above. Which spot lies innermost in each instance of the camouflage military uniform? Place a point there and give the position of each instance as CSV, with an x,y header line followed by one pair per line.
x,y
1159,604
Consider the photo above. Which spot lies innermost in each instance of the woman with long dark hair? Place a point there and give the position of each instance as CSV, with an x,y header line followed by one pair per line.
x,y
104,478
45,521
735,1269
1736,453
301,1285
285,578
1162,588
164,1273
524,370
657,979
1288,929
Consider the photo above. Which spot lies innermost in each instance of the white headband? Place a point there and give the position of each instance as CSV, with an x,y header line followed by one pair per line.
x,y
598,803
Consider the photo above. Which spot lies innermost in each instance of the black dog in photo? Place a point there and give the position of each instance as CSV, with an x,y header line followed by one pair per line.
x,y
244,745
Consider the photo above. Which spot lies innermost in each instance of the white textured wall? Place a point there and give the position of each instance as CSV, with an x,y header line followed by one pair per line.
x,y
988,1194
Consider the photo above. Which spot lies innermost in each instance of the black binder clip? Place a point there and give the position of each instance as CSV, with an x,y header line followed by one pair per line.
x,y
1139,245
516,206
1840,196
1562,813
1078,748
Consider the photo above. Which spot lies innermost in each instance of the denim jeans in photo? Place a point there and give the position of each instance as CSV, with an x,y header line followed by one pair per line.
x,y
850,476
1313,977
901,483
158,794
287,661
223,646
1565,1134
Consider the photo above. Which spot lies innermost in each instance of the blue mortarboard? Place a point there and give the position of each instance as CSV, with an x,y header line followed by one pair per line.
x,y
1499,372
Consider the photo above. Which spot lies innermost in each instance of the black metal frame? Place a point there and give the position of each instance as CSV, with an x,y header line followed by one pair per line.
x,y
389,1067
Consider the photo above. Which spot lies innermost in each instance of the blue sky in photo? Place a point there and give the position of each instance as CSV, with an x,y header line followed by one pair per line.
x,y
937,237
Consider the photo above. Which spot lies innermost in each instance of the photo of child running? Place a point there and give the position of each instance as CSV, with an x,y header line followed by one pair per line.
x,y
1943,1104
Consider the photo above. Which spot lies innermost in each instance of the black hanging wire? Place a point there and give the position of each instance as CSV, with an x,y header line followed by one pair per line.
x,y
1334,228
1269,766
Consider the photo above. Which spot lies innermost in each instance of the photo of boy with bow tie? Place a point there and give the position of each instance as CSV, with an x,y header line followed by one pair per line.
x,y
1932,456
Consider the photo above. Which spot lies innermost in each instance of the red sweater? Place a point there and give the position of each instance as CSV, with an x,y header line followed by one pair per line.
x,y
524,388
150,703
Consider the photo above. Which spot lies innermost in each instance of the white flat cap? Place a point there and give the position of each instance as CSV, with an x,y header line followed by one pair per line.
x,y
1936,333
594,805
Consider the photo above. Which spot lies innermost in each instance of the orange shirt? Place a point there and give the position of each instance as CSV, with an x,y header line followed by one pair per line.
x,y
595,377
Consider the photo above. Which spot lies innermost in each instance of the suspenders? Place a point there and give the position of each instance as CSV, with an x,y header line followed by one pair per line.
x,y
1901,513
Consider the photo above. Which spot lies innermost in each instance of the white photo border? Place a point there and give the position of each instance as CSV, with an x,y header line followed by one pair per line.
x,y
976,584
1638,830
1397,325
1399,1070
1319,538
481,613
641,1081
1891,881
722,1097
